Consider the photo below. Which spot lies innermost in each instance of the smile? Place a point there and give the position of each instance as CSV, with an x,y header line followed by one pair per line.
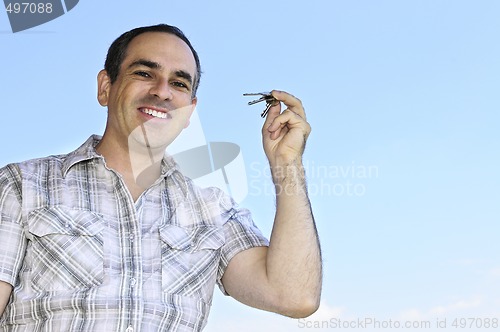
x,y
154,113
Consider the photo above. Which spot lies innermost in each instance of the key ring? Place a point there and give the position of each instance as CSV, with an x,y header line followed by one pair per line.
x,y
265,96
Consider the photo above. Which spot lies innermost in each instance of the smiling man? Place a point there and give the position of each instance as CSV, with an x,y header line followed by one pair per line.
x,y
112,237
149,102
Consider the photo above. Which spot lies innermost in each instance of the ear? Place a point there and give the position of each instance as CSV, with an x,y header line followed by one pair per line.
x,y
103,86
194,101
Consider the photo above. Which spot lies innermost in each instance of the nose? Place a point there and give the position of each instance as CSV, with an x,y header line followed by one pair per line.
x,y
161,89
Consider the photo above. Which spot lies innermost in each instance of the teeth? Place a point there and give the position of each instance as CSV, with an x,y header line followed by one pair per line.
x,y
154,113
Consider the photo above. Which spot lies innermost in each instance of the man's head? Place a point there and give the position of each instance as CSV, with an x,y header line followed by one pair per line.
x,y
118,49
148,87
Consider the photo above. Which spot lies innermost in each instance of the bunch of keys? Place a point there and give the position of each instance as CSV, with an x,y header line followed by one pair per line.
x,y
265,96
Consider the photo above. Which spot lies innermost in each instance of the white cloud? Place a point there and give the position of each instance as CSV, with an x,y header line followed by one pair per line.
x,y
495,272
411,315
326,312
264,321
458,308
470,261
455,307
256,320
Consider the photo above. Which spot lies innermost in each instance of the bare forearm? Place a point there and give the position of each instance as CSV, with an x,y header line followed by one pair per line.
x,y
5,290
286,277
294,256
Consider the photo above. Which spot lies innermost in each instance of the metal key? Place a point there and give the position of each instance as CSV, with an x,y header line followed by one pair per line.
x,y
265,96
268,107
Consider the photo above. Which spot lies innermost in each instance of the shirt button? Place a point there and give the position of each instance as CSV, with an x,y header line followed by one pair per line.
x,y
129,329
131,237
133,281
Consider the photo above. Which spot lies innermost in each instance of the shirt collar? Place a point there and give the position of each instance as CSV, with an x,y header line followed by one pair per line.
x,y
169,168
87,152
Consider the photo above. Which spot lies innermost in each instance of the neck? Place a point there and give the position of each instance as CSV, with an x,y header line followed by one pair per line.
x,y
139,165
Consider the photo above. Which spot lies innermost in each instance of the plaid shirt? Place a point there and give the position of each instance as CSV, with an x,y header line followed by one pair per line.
x,y
83,256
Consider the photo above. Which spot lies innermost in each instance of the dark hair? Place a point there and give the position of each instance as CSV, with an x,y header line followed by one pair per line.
x,y
118,49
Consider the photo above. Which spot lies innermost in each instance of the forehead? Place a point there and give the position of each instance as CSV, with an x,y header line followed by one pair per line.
x,y
164,48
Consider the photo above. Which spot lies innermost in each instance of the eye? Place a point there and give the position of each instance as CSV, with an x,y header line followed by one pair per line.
x,y
142,74
180,84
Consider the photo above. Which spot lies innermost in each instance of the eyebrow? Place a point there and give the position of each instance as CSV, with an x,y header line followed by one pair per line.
x,y
155,65
146,63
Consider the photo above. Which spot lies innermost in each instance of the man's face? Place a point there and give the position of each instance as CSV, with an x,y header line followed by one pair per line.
x,y
151,100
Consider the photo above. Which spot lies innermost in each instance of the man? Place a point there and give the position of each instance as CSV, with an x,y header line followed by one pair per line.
x,y
112,237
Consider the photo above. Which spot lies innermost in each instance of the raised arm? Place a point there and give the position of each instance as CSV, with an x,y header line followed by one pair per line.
x,y
286,277
5,290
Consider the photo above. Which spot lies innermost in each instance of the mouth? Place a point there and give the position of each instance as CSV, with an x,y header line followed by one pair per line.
x,y
155,113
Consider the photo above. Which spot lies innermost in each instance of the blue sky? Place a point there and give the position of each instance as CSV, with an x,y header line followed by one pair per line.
x,y
402,161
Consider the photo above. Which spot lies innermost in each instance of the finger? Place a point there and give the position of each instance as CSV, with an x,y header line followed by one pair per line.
x,y
282,129
293,103
277,127
286,122
273,112
287,118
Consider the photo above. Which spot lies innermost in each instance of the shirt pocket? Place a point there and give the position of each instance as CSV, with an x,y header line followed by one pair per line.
x,y
190,258
66,249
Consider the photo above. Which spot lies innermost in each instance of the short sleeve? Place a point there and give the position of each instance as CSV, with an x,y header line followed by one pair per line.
x,y
12,239
241,233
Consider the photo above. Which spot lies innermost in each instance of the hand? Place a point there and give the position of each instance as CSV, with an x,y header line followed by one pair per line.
x,y
284,134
